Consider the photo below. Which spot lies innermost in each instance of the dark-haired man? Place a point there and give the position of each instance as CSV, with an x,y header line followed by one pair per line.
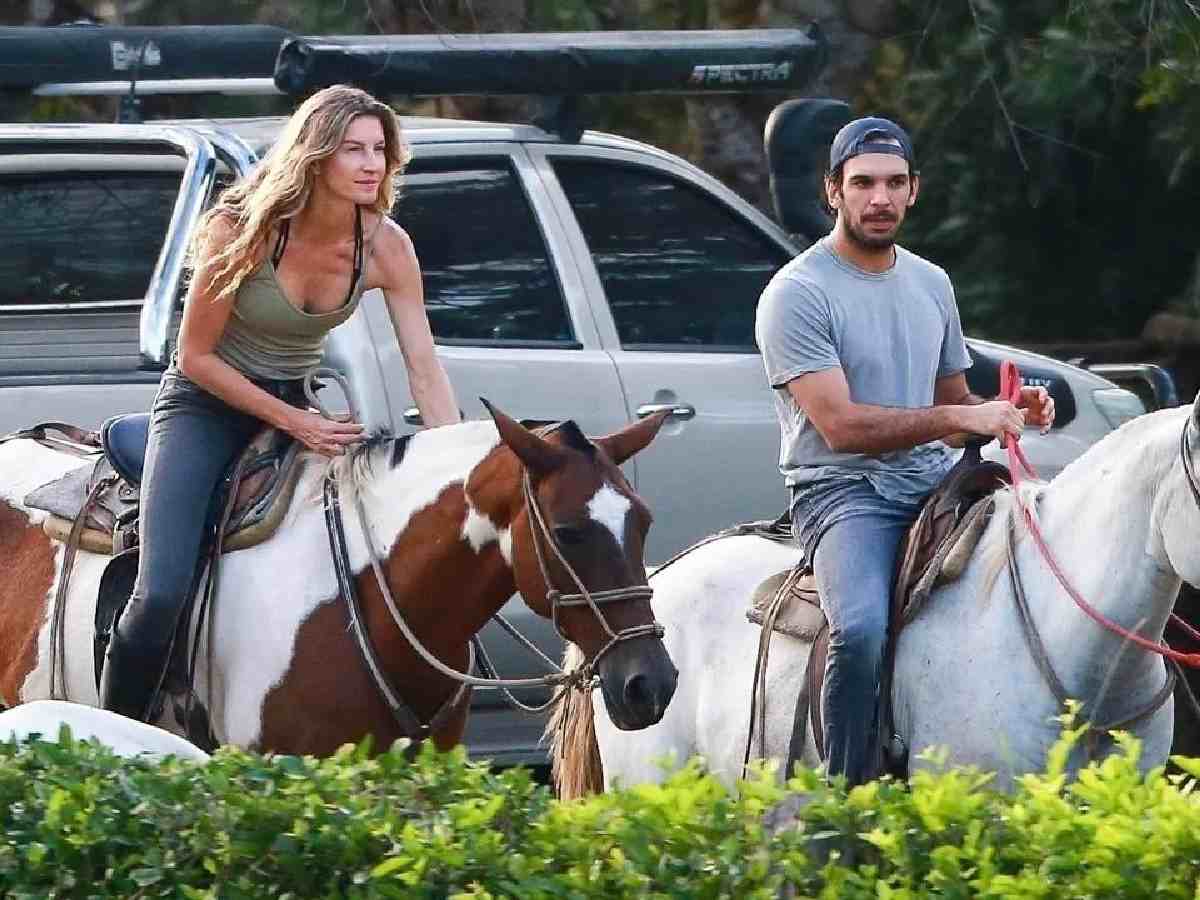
x,y
862,343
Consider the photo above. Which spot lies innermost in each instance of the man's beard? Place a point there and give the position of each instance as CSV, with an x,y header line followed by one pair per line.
x,y
867,241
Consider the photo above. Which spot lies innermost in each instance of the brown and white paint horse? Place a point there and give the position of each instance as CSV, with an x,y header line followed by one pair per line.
x,y
451,528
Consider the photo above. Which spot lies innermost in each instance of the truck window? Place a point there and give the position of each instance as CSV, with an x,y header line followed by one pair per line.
x,y
681,271
485,266
81,237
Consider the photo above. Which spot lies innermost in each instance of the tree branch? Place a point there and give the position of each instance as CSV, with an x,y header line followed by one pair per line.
x,y
991,77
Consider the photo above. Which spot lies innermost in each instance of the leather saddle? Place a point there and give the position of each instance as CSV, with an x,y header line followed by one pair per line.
x,y
935,551
106,493
95,508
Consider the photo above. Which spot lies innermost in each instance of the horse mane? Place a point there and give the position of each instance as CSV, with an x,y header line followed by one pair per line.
x,y
571,434
992,550
383,451
576,439
575,764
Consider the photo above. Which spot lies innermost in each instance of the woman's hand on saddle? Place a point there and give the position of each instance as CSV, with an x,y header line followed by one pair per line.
x,y
325,436
997,418
1038,406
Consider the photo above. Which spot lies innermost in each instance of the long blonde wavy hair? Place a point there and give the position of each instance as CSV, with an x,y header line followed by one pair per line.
x,y
280,186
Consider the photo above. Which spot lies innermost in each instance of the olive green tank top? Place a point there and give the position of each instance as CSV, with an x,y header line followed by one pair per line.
x,y
267,336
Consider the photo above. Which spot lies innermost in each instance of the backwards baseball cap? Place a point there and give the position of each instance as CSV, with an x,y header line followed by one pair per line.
x,y
870,135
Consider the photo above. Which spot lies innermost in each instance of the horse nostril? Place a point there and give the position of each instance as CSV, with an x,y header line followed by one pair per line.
x,y
636,694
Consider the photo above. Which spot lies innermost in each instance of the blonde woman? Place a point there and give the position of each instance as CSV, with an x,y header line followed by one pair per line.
x,y
282,258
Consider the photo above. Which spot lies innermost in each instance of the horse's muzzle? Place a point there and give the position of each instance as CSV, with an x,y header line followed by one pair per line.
x,y
638,680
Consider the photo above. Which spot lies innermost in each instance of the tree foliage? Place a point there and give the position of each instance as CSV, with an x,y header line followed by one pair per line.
x,y
1056,141
1057,137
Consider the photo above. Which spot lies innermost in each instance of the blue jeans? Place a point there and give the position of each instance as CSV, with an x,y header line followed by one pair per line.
x,y
852,535
194,438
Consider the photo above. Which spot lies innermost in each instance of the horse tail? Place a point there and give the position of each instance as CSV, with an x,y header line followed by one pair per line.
x,y
575,762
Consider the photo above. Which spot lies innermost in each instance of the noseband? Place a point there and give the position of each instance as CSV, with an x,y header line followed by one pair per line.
x,y
541,533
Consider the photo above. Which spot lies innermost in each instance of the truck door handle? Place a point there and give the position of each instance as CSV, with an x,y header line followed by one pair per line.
x,y
412,416
681,411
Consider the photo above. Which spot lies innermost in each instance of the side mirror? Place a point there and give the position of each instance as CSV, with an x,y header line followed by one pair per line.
x,y
797,138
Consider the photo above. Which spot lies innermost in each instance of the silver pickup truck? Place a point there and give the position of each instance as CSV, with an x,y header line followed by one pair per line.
x,y
589,277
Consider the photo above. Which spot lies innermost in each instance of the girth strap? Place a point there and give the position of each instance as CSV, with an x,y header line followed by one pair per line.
x,y
410,724
58,648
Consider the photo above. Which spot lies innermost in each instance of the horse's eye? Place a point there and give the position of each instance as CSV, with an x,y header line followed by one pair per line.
x,y
569,534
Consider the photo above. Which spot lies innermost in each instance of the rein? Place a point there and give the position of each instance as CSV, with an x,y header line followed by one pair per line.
x,y
1010,389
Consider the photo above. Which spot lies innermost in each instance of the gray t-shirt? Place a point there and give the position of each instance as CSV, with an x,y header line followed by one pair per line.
x,y
893,334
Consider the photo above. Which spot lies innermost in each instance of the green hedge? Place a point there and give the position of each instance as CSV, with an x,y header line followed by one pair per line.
x,y
79,822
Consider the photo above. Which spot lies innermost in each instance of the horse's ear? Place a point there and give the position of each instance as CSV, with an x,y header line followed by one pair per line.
x,y
538,455
620,445
1196,412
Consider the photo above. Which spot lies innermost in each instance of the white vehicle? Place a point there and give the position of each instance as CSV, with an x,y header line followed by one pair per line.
x,y
567,275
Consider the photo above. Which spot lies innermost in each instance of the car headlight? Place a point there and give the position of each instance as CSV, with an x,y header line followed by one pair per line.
x,y
1118,405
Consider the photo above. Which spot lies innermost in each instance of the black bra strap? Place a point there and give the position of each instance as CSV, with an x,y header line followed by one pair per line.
x,y
358,252
280,243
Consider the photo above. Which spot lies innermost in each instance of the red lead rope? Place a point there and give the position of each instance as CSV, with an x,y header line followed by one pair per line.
x,y
1010,390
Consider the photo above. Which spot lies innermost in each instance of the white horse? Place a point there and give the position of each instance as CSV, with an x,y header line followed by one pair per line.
x,y
1124,523
44,719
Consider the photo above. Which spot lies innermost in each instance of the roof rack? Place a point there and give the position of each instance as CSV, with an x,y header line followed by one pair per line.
x,y
249,59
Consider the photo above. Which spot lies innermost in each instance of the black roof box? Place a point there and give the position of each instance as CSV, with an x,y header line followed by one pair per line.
x,y
601,62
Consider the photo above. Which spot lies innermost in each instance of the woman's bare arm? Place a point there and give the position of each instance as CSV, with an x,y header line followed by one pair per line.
x,y
399,274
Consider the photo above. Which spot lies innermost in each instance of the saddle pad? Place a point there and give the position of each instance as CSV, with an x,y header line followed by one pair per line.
x,y
961,548
800,615
65,496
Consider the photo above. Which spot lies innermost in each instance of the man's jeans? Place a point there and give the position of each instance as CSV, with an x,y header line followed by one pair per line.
x,y
852,535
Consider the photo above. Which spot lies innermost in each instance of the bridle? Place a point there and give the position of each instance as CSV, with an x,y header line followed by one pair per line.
x,y
583,678
541,533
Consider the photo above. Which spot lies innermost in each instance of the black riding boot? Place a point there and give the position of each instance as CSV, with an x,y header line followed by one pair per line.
x,y
138,653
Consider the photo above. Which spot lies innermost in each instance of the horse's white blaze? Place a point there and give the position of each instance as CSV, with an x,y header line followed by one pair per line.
x,y
609,508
